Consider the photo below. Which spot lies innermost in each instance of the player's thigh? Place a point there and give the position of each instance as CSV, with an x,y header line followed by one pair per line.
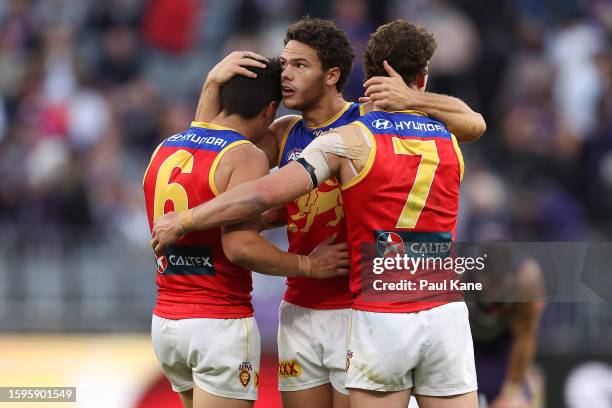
x,y
340,400
376,399
186,398
316,397
469,400
203,399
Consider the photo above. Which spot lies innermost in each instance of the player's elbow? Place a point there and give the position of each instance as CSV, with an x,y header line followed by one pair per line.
x,y
238,251
479,126
265,196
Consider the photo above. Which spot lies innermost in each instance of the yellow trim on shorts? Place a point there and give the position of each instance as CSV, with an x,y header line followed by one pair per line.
x,y
368,166
213,168
246,345
284,138
333,118
151,161
459,157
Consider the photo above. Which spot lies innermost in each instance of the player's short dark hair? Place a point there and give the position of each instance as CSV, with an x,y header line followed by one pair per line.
x,y
330,42
406,47
247,97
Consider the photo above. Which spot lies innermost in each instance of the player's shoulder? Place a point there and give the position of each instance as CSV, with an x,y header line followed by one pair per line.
x,y
282,125
245,155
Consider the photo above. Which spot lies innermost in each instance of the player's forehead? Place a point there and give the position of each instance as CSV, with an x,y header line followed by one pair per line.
x,y
295,50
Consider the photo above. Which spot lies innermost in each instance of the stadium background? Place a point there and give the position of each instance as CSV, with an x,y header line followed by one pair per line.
x,y
88,88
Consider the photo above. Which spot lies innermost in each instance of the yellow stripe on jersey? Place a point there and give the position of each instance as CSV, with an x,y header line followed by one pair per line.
x,y
207,125
333,118
368,166
213,168
412,112
151,161
284,138
459,157
362,109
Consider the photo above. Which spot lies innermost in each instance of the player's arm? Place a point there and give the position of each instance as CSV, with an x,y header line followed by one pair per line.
x,y
244,246
273,218
271,143
392,93
524,324
236,63
323,158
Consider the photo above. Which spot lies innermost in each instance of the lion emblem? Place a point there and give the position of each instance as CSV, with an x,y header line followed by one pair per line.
x,y
318,202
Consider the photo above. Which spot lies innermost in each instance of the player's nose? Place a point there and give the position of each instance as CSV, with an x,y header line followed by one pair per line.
x,y
286,75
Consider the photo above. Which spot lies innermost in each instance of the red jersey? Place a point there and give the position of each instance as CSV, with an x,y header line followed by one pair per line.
x,y
194,277
315,217
405,199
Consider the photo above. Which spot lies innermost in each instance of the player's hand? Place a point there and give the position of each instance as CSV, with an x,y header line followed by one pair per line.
x,y
236,63
166,231
328,259
389,92
516,400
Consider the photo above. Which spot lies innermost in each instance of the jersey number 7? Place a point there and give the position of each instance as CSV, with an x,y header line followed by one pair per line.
x,y
426,171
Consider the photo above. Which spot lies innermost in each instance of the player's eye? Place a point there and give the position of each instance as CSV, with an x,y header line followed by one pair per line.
x,y
300,65
283,64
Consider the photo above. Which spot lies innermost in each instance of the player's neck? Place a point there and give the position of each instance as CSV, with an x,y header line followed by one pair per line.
x,y
235,122
327,108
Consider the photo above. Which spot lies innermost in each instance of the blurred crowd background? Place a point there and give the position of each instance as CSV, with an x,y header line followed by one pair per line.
x,y
89,88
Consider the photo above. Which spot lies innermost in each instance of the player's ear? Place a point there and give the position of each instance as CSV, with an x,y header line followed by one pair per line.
x,y
270,110
332,76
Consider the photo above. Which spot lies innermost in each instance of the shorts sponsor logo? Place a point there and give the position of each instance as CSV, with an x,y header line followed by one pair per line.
x,y
244,376
349,355
289,368
256,379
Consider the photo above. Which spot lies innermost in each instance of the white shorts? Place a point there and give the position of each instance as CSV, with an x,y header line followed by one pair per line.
x,y
220,355
430,351
311,347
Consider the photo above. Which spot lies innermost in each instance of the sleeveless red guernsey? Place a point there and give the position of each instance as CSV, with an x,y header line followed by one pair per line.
x,y
406,198
194,277
314,217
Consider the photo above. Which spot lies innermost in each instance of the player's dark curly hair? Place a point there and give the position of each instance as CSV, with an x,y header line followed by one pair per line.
x,y
247,97
406,47
330,42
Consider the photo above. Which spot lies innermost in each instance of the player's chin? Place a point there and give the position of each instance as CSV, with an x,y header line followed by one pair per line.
x,y
292,102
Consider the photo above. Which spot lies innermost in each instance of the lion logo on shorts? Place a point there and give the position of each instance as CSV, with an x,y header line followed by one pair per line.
x,y
245,373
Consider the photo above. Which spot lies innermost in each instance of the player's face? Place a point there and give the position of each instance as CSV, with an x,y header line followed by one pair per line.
x,y
302,79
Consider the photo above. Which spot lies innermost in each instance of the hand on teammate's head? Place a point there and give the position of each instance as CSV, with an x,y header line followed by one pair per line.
x,y
236,63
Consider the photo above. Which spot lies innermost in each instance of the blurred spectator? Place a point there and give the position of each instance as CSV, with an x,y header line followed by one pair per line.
x,y
352,16
170,25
